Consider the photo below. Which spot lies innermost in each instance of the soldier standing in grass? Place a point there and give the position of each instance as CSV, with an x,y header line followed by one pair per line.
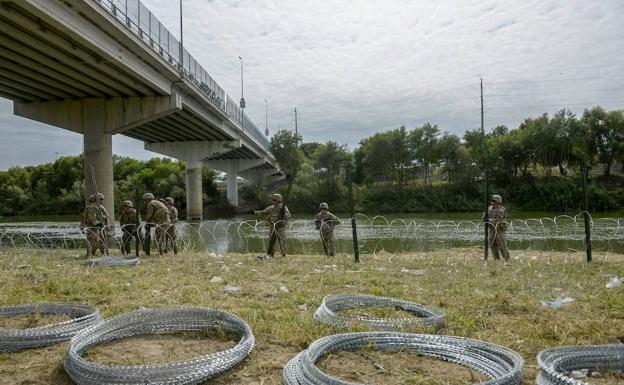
x,y
95,221
157,215
497,233
277,214
129,220
325,223
171,230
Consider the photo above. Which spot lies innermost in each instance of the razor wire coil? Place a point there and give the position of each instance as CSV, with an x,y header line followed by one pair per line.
x,y
503,366
557,364
82,316
333,303
158,321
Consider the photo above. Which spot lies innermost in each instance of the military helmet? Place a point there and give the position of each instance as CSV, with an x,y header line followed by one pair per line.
x,y
100,196
148,196
128,204
323,206
169,200
497,199
278,197
92,198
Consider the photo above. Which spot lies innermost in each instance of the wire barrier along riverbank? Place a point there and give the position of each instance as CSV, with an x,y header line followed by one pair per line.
x,y
559,366
375,234
158,321
334,303
82,316
503,366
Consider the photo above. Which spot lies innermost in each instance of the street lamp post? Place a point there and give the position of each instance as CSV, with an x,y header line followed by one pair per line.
x,y
242,101
266,118
181,43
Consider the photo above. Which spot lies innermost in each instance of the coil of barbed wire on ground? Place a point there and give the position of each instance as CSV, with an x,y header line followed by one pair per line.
x,y
333,303
503,366
82,316
158,321
557,364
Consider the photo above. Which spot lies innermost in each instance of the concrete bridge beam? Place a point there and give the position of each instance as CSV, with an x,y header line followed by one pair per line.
x,y
98,119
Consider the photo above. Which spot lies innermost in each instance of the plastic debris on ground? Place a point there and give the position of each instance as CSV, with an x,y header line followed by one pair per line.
x,y
232,289
216,279
558,302
615,282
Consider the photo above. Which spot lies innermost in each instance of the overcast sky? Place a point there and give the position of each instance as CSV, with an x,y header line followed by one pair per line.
x,y
353,68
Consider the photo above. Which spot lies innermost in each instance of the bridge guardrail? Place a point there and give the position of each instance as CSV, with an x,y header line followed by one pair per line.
x,y
142,23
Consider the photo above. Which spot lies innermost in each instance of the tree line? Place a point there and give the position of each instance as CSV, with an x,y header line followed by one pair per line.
x,y
535,166
58,188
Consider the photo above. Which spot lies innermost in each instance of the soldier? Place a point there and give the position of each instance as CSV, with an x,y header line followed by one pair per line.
x,y
277,214
129,220
157,215
497,220
171,230
95,221
325,223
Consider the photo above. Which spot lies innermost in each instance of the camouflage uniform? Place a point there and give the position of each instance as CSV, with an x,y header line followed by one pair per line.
x,y
158,214
171,230
325,223
497,231
129,223
277,223
95,228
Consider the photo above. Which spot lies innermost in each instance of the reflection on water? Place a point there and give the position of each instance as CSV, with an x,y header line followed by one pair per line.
x,y
561,233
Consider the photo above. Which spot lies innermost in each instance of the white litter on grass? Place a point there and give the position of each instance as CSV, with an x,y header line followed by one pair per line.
x,y
413,272
615,282
303,307
212,255
558,302
216,279
232,289
284,289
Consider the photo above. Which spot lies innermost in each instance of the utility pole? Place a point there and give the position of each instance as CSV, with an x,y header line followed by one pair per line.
x,y
296,130
586,218
181,43
485,163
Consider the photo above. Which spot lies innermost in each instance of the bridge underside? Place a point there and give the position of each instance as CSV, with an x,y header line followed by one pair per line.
x,y
73,65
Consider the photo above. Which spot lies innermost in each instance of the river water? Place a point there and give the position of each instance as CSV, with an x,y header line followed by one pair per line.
x,y
394,233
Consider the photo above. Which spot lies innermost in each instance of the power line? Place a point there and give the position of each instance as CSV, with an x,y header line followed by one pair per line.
x,y
558,79
556,92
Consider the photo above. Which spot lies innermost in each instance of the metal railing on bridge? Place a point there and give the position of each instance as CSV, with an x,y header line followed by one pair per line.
x,y
141,22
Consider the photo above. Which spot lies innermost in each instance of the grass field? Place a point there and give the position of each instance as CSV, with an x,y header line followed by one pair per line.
x,y
494,302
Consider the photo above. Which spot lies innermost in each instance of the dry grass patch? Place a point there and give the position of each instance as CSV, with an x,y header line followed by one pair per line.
x,y
494,302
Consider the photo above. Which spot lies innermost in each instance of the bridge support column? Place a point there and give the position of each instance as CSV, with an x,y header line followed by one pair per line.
x,y
194,192
233,167
193,152
98,156
232,183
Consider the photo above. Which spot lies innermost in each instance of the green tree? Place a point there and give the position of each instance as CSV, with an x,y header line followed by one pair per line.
x,y
329,160
425,149
285,148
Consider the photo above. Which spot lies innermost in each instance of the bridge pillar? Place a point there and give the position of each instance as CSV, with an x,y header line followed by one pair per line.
x,y
232,183
194,193
192,152
233,167
98,158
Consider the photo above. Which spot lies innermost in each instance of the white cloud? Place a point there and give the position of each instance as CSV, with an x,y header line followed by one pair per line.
x,y
354,68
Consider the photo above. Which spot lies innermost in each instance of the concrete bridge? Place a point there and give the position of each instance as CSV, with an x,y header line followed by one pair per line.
x,y
106,67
